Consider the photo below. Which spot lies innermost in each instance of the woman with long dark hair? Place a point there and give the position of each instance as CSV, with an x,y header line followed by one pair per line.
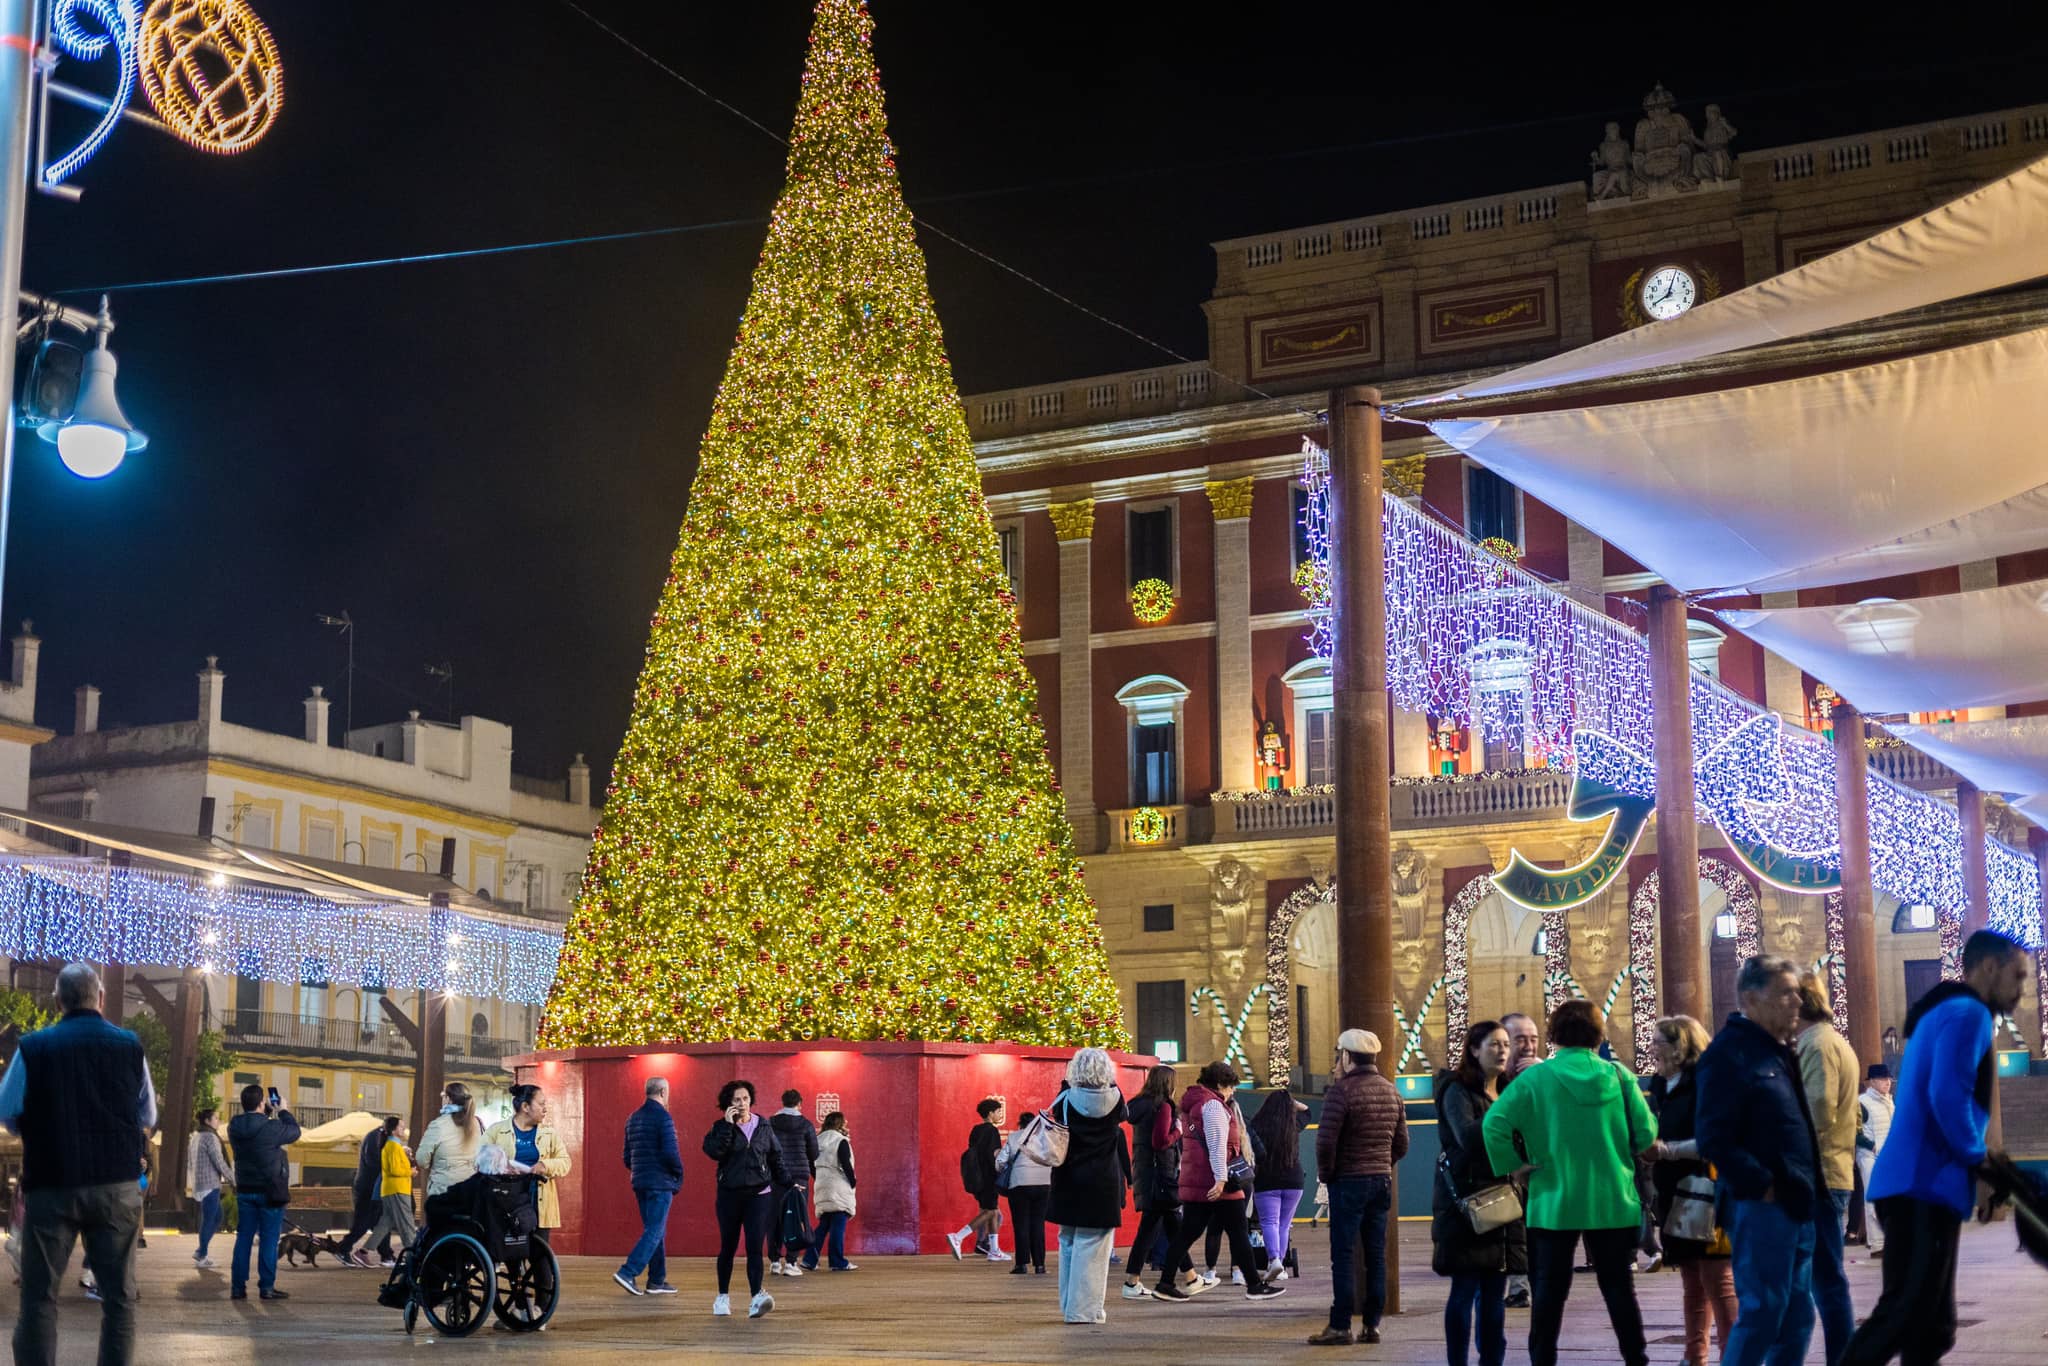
x,y
1277,1127
1478,1264
1155,1182
750,1165
1215,1176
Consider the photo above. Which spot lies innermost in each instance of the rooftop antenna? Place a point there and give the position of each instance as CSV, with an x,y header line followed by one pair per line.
x,y
347,626
444,674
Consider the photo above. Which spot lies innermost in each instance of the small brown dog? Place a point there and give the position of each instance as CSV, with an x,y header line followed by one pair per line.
x,y
296,1243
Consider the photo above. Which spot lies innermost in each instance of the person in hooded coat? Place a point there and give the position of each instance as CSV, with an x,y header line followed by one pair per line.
x,y
1088,1187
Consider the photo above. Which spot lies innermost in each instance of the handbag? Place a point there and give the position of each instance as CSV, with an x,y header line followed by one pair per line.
x,y
1238,1176
1491,1207
1691,1215
1047,1141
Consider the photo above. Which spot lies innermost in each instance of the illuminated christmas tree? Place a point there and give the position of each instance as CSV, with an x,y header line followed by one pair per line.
x,y
833,815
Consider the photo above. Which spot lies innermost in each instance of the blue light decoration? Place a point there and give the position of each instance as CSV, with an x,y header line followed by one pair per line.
x,y
72,909
115,26
1474,641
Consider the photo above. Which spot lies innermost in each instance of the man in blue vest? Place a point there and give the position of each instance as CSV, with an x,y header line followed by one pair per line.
x,y
78,1094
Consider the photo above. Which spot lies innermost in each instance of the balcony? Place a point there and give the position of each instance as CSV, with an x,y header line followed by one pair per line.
x,y
1476,799
260,1031
1909,767
1145,828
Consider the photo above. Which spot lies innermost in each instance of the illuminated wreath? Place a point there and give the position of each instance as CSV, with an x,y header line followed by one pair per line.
x,y
1152,600
211,71
1148,825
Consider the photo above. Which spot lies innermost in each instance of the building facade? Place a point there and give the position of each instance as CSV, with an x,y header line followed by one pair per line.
x,y
1151,522
414,796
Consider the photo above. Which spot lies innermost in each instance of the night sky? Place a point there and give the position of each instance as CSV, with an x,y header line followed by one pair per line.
x,y
486,461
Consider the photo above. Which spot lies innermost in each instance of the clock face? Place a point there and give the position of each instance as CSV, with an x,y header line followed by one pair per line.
x,y
1668,292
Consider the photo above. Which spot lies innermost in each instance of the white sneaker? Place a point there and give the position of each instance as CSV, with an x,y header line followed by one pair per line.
x,y
721,1307
1209,1277
1236,1277
1280,1275
1195,1284
205,1264
1000,1256
792,1269
760,1305
953,1241
1136,1292
775,1268
1102,1316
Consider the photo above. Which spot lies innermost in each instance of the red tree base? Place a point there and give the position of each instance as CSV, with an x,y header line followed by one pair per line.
x,y
909,1107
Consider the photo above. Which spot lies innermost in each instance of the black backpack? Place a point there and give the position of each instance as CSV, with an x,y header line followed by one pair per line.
x,y
970,1171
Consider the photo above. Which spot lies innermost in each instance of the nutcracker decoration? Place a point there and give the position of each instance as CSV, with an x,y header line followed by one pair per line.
x,y
1272,756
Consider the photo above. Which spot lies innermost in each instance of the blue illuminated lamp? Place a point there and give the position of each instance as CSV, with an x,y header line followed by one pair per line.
x,y
97,436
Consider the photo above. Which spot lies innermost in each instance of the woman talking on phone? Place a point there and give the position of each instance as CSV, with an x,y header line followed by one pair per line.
x,y
749,1165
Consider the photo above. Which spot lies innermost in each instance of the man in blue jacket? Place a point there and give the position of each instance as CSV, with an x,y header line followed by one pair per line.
x,y
1754,1126
657,1167
1924,1183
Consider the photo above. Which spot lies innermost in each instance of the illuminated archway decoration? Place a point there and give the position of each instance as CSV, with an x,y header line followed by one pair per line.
x,y
212,73
1641,971
1457,976
1233,1028
1279,1000
1559,985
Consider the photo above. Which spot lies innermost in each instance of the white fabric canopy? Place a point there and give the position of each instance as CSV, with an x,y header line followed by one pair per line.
x,y
1886,469
1990,238
1999,756
1987,648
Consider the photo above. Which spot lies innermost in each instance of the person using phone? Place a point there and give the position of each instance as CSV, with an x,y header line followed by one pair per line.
x,y
262,1188
750,1166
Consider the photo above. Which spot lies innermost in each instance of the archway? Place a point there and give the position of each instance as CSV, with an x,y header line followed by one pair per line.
x,y
1279,976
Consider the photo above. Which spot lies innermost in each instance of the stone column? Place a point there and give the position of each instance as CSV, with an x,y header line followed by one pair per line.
x,y
1859,902
1585,565
1976,873
1074,525
1784,693
1231,502
1365,851
1678,832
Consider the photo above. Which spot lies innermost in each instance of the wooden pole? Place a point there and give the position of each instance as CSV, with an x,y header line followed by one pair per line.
x,y
1859,903
174,1112
1976,871
1680,968
1364,767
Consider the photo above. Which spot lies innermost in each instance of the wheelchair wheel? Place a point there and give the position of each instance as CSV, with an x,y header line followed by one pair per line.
x,y
528,1290
456,1285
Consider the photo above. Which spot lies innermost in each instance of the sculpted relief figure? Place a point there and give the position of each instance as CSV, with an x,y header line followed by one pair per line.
x,y
1713,161
1612,163
1664,147
1230,894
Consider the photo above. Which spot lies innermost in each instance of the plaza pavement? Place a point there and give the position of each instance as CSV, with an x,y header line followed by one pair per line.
x,y
932,1309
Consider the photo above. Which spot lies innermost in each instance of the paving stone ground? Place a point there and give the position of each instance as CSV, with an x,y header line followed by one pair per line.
x,y
932,1309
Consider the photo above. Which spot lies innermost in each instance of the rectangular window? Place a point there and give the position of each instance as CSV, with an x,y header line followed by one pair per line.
x,y
1316,747
1158,919
380,851
1010,541
256,829
1153,781
1299,526
248,1003
1491,506
373,1010
1163,1018
313,991
1151,545
319,839
247,1079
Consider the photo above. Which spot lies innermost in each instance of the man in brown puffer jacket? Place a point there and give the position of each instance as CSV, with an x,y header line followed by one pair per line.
x,y
1362,1134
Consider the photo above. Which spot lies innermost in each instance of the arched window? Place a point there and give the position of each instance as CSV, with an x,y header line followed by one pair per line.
x,y
1153,707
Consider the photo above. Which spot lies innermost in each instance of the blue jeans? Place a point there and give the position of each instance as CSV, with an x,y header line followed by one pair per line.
x,y
1487,1293
209,1220
1830,1281
256,1217
648,1254
1773,1284
1358,1212
831,1225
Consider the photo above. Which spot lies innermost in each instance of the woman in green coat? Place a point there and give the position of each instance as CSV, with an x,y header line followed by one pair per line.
x,y
1578,1123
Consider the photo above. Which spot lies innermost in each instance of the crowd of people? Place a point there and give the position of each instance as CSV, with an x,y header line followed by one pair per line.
x,y
1740,1166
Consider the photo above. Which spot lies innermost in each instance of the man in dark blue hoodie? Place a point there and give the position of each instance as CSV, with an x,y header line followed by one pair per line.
x,y
1924,1181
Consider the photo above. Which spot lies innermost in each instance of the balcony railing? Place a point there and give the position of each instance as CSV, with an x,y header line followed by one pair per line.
x,y
1148,827
1479,799
1910,767
1280,813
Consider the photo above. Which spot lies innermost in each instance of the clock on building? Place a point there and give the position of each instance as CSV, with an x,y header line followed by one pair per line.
x,y
1667,292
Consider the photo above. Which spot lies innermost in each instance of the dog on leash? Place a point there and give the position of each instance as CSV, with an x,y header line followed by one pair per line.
x,y
296,1243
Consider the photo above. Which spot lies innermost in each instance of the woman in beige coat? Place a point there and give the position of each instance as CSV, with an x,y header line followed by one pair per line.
x,y
531,1141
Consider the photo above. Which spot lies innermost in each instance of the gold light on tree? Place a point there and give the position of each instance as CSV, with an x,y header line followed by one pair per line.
x,y
211,72
832,814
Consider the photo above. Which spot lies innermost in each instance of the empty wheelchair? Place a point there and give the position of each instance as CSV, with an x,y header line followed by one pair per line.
x,y
478,1255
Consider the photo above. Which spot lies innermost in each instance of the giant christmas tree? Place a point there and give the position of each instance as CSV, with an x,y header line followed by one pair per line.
x,y
833,816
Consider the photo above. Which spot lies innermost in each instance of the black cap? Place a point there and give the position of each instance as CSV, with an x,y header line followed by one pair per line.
x,y
1878,1072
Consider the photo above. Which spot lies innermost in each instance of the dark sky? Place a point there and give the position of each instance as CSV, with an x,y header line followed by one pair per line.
x,y
486,461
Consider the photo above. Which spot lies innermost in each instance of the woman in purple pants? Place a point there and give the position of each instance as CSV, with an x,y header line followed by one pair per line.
x,y
1278,1126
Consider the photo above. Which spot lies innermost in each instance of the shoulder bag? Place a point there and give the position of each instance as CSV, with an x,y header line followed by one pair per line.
x,y
1494,1205
1047,1142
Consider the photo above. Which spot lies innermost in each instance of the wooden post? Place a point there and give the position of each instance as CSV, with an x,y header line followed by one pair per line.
x,y
1364,767
1680,967
1859,903
175,1106
115,980
1976,871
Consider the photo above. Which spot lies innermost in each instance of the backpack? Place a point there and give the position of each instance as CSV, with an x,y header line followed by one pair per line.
x,y
970,1171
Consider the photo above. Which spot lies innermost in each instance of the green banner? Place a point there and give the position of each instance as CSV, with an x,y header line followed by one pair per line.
x,y
1547,889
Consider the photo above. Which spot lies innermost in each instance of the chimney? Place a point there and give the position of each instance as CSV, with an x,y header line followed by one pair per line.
x,y
410,731
316,717
86,714
26,647
579,782
210,682
448,856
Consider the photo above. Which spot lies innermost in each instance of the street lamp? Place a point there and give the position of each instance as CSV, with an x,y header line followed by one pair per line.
x,y
94,436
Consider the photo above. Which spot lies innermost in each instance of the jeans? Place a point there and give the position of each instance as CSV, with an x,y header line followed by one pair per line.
x,y
1773,1283
1358,1213
1084,1272
1486,1293
1199,1216
650,1254
1276,1220
1830,1280
1915,1317
748,1213
108,1219
255,1218
209,1221
1709,1303
1027,1224
832,1226
1613,1253
1152,1225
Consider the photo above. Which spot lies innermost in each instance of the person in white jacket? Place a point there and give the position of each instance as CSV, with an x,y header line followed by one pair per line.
x,y
832,1193
1029,1191
1875,1107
